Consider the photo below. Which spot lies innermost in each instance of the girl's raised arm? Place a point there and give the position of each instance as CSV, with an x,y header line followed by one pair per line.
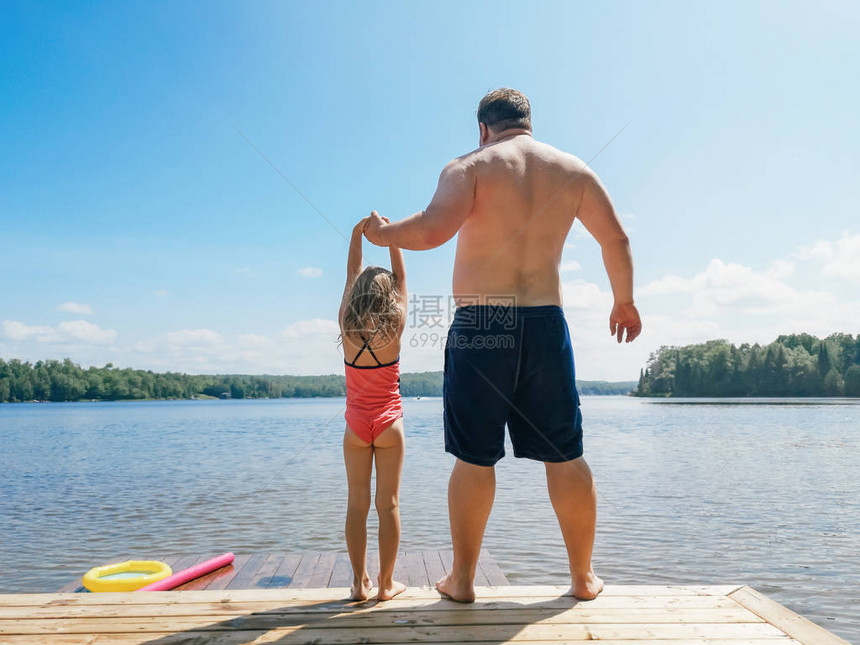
x,y
398,268
353,264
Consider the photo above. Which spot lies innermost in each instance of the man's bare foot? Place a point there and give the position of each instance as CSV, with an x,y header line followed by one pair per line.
x,y
587,587
390,589
360,590
460,591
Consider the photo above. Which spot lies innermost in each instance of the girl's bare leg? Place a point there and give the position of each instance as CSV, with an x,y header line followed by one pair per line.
x,y
388,450
358,458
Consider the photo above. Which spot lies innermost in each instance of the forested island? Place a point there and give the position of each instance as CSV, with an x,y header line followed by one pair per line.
x,y
793,365
66,381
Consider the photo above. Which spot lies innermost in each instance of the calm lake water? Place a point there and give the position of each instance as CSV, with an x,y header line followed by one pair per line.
x,y
714,492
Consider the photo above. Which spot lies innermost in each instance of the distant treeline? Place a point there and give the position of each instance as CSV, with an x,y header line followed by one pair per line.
x,y
792,365
67,381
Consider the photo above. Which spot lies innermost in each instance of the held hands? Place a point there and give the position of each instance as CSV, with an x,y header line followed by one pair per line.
x,y
625,317
375,228
358,229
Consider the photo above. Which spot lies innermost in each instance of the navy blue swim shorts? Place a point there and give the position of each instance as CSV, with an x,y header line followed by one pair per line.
x,y
514,366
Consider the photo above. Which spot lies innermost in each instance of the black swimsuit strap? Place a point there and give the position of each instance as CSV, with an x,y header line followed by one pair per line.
x,y
371,353
366,346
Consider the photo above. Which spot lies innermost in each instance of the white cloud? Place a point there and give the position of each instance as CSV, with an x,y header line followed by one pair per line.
x,y
86,332
69,331
248,272
76,308
161,293
781,269
582,295
667,285
304,347
14,330
310,272
723,287
841,258
569,266
194,338
316,326
252,340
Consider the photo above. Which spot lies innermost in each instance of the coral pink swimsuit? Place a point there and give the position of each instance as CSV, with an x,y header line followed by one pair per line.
x,y
372,395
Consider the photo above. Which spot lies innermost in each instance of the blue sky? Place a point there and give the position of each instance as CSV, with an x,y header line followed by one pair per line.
x,y
137,226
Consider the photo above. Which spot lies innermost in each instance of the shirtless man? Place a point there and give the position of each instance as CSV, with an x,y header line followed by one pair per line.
x,y
508,359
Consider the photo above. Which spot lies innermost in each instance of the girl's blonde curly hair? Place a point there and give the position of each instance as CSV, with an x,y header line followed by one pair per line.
x,y
372,309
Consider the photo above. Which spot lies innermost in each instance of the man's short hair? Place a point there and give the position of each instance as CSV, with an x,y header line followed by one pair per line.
x,y
505,108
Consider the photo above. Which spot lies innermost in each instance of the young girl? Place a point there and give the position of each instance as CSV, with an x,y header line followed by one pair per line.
x,y
372,318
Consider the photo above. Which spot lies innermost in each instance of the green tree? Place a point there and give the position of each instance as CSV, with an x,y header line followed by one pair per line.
x,y
852,381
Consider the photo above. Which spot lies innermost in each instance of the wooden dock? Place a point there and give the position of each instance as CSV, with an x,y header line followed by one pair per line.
x,y
621,615
314,569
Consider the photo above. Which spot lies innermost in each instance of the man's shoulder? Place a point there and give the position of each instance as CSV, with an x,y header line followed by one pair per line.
x,y
560,156
490,155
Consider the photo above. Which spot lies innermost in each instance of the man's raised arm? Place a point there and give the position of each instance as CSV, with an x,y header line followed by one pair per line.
x,y
597,214
436,224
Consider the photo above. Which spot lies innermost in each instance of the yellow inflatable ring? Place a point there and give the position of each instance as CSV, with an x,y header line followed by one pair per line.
x,y
125,576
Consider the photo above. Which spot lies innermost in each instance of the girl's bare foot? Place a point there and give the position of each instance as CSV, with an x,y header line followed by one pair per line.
x,y
461,591
360,590
390,589
587,587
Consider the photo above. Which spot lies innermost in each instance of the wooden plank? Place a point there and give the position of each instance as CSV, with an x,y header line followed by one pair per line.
x,y
447,558
249,637
416,573
433,564
305,569
56,639
254,638
230,572
400,574
286,570
322,570
487,596
481,579
268,569
161,606
191,614
494,573
246,578
373,566
384,627
341,573
184,561
783,618
499,633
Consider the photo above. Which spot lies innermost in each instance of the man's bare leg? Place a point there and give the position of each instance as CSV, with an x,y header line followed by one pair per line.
x,y
574,498
471,490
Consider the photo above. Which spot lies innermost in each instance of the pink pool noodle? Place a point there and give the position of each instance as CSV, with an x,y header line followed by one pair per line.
x,y
189,574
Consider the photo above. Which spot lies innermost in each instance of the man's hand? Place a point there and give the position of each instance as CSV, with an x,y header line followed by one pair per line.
x,y
375,229
625,316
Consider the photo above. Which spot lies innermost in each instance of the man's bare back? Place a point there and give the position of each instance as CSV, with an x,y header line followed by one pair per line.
x,y
526,198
